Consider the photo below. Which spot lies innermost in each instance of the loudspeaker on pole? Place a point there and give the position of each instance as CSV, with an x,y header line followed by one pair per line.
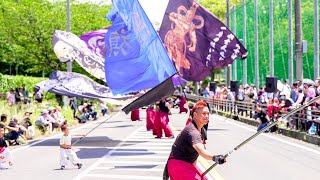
x,y
271,84
234,86
212,86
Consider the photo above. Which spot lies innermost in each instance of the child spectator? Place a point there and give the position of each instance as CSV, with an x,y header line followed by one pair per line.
x,y
5,154
66,151
313,129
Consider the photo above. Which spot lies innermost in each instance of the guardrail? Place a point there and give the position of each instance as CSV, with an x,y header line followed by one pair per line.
x,y
301,121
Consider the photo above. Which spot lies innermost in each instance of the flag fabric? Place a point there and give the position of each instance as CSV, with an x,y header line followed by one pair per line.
x,y
197,41
162,90
178,80
69,47
76,85
135,56
95,41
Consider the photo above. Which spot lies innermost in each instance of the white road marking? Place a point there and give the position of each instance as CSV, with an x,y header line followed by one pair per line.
x,y
130,168
129,152
134,162
141,152
137,148
153,144
144,157
152,139
99,161
275,138
122,176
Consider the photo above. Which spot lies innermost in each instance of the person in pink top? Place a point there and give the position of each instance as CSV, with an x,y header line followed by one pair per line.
x,y
150,117
5,154
183,102
135,115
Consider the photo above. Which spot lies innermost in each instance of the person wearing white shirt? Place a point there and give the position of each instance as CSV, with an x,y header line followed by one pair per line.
x,y
66,151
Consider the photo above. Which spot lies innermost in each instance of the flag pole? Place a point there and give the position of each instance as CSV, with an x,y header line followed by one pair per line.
x,y
263,130
97,126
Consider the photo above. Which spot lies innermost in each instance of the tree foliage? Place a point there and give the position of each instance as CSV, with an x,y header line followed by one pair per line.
x,y
218,7
27,27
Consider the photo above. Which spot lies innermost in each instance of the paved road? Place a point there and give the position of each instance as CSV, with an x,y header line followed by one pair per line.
x,y
122,149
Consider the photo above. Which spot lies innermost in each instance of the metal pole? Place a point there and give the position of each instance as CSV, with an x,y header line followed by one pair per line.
x,y
290,46
256,44
244,41
283,118
316,39
271,53
235,32
69,63
228,25
226,68
298,39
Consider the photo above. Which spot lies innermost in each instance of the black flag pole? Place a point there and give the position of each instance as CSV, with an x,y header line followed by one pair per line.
x,y
264,129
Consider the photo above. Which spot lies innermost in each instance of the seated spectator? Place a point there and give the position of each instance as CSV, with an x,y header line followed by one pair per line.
x,y
83,116
59,117
43,122
26,122
103,108
313,129
52,118
39,96
15,135
91,111
6,127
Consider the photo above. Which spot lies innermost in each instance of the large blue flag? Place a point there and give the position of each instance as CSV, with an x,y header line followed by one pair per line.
x,y
135,57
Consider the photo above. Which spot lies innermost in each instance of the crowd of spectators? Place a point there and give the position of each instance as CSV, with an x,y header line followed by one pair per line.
x,y
275,104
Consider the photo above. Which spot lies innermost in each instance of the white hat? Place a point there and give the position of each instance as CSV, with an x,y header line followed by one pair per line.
x,y
44,111
14,117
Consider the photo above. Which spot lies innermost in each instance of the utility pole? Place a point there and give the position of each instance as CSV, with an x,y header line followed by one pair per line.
x,y
290,45
271,53
234,31
298,39
69,63
228,68
244,41
316,39
256,45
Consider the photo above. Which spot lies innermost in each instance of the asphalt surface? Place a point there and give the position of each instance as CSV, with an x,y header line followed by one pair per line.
x,y
122,149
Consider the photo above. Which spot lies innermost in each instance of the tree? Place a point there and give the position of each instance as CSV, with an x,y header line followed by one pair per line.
x,y
27,28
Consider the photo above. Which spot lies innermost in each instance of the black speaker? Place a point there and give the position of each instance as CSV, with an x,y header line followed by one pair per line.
x,y
234,86
271,84
212,86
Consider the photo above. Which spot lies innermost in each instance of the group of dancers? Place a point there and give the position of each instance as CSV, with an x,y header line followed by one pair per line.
x,y
158,116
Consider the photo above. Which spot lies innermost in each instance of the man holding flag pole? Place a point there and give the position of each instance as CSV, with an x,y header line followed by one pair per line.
x,y
188,146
